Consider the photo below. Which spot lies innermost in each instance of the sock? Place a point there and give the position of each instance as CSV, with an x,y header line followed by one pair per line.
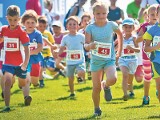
x,y
41,81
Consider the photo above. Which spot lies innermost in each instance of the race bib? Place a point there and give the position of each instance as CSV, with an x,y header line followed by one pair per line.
x,y
11,44
102,50
74,55
156,40
33,46
127,52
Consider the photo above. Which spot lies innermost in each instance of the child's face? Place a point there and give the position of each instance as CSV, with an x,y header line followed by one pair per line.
x,y
56,30
152,16
42,27
100,14
128,29
30,25
85,21
72,26
13,21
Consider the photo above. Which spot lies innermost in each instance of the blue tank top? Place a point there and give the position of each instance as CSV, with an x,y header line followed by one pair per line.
x,y
114,15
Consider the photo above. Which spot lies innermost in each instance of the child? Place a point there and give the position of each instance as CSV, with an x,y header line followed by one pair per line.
x,y
48,61
14,38
75,60
128,61
152,45
85,20
29,20
99,39
58,35
151,13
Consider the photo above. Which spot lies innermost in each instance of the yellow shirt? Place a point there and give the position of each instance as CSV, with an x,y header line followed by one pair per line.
x,y
46,49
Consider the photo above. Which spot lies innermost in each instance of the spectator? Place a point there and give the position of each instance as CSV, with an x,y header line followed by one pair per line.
x,y
133,8
115,13
34,5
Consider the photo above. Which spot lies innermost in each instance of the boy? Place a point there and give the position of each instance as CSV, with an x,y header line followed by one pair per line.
x,y
16,43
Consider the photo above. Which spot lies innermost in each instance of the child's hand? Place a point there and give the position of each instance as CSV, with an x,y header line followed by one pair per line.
x,y
54,47
55,53
23,67
92,45
129,47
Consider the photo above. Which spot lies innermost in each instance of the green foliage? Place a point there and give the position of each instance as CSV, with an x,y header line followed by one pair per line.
x,y
52,103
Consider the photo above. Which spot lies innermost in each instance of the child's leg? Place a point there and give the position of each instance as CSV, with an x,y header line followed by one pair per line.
x,y
158,87
125,75
96,79
130,82
71,84
59,64
81,74
7,86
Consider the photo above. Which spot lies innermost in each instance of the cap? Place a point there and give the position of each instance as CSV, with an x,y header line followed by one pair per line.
x,y
57,23
128,21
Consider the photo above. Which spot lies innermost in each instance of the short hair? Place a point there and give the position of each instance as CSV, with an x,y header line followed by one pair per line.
x,y
42,19
158,8
100,4
29,14
152,7
13,10
86,14
75,18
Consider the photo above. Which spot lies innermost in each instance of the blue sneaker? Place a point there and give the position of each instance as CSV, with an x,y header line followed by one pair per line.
x,y
146,100
97,113
107,94
131,94
6,109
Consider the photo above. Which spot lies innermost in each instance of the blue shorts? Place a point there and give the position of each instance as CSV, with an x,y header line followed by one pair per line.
x,y
131,64
48,62
15,70
71,69
156,69
99,64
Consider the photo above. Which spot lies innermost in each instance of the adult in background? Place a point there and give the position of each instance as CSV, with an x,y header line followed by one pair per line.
x,y
34,5
133,8
115,13
144,4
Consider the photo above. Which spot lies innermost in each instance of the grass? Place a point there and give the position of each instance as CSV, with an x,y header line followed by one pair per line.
x,y
53,103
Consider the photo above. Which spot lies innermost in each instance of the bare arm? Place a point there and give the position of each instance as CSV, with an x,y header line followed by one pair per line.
x,y
88,42
140,36
27,56
37,50
149,48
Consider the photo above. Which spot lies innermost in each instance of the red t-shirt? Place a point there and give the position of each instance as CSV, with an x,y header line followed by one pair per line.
x,y
34,5
14,57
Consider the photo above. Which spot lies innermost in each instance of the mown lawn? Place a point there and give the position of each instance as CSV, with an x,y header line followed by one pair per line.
x,y
53,103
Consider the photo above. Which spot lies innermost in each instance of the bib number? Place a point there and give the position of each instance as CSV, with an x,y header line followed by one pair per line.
x,y
127,52
11,44
33,46
156,40
74,55
102,50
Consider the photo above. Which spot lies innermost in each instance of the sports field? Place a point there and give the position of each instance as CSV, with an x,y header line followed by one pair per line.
x,y
52,103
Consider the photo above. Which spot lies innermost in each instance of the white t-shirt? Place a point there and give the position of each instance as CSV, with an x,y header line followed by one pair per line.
x,y
150,2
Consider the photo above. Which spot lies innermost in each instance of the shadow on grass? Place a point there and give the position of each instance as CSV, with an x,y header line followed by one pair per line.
x,y
154,117
138,86
66,98
84,89
16,91
90,118
138,106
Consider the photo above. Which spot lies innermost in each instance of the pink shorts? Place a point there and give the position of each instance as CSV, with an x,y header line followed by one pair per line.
x,y
35,70
0,64
139,71
63,55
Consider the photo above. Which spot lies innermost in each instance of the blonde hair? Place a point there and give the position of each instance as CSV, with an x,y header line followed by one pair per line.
x,y
152,7
75,18
100,4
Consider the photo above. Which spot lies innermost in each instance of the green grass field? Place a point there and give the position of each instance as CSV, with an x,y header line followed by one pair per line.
x,y
53,103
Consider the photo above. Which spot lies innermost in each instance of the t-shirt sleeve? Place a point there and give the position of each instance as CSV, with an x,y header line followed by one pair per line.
x,y
24,38
39,38
114,26
88,29
63,42
147,36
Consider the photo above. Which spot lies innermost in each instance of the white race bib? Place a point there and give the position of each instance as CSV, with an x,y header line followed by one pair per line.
x,y
156,40
11,44
74,55
102,50
32,46
127,52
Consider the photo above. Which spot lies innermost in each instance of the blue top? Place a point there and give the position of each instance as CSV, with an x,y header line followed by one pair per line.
x,y
35,37
103,34
114,15
73,44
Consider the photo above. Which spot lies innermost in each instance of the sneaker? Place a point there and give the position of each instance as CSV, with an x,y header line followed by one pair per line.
x,y
6,109
125,97
89,75
62,73
41,85
79,80
131,94
97,112
107,94
2,94
35,86
72,95
146,100
157,93
27,100
46,76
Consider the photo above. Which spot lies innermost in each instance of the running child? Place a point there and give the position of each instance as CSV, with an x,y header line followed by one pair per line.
x,y
99,39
